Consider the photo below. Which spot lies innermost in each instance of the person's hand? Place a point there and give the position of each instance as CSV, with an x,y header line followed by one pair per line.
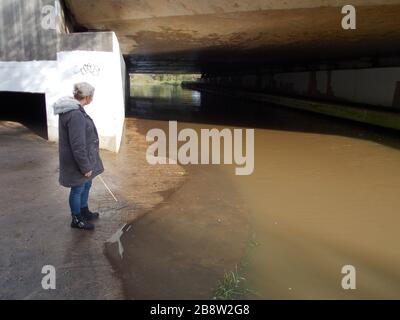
x,y
89,174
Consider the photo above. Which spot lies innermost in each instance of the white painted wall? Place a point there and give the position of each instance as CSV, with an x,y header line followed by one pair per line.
x,y
55,79
322,82
374,86
297,81
32,76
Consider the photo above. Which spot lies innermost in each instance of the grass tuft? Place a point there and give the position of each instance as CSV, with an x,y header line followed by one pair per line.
x,y
231,287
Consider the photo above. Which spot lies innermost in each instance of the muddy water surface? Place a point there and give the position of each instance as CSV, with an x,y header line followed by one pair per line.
x,y
324,194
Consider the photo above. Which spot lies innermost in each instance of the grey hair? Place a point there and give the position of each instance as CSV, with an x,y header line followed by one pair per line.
x,y
83,90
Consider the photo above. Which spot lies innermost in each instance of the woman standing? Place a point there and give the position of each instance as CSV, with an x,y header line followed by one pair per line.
x,y
79,153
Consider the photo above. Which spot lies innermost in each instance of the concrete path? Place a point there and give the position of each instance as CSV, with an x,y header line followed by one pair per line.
x,y
34,215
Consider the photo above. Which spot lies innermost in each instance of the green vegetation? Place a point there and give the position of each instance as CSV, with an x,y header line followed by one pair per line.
x,y
231,287
234,285
158,79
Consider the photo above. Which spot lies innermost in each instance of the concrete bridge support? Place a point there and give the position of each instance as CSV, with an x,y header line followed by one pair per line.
x,y
55,59
367,86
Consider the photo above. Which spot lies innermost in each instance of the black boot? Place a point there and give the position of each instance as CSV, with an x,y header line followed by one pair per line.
x,y
79,222
88,215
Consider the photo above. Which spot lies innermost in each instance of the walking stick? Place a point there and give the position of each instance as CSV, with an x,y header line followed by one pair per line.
x,y
108,189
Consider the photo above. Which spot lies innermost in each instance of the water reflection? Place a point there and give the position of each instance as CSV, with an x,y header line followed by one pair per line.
x,y
172,102
322,196
149,99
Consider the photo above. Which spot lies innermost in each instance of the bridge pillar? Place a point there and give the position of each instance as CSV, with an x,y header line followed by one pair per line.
x,y
57,59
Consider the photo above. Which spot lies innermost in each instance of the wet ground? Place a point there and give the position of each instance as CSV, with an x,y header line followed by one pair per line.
x,y
180,249
34,220
324,193
35,216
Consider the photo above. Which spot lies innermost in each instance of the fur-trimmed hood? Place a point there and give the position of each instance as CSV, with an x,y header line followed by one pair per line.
x,y
65,104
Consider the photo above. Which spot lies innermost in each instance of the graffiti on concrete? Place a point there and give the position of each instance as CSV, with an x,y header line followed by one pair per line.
x,y
89,68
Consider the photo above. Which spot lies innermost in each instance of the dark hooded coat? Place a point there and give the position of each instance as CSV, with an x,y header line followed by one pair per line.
x,y
78,143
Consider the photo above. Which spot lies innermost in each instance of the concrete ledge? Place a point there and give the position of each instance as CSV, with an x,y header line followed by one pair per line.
x,y
386,119
86,41
105,70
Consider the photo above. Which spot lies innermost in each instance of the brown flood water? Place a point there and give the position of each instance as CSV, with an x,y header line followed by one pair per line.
x,y
324,194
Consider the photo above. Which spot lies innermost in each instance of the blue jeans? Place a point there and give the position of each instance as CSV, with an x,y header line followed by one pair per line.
x,y
78,197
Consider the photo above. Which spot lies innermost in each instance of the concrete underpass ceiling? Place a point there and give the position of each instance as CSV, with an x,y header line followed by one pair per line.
x,y
219,35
